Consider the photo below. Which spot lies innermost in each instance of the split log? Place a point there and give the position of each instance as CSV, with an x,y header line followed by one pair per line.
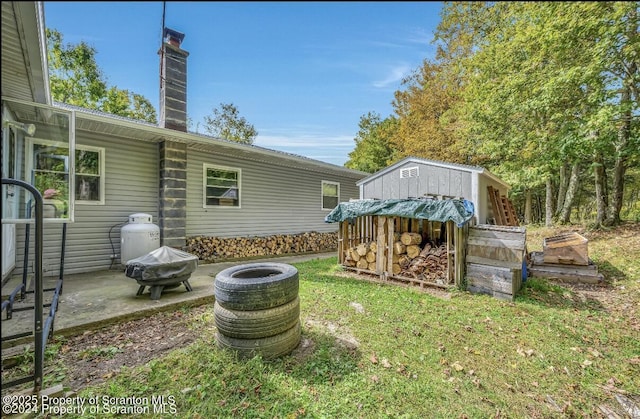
x,y
404,261
399,248
354,255
362,249
413,251
410,238
371,257
362,264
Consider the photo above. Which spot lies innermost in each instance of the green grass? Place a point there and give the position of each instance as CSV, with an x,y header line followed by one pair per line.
x,y
411,354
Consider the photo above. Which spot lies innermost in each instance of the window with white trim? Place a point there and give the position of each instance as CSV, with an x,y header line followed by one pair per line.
x,y
89,177
221,186
50,168
330,195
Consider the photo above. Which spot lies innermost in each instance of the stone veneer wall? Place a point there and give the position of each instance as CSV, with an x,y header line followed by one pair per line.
x,y
172,211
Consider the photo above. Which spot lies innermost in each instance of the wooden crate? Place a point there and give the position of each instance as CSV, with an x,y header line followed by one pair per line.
x,y
502,283
495,258
567,249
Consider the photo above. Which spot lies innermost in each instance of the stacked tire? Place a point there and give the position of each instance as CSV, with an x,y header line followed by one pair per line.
x,y
257,309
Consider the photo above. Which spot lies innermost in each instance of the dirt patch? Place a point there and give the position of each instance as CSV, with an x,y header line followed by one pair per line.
x,y
95,356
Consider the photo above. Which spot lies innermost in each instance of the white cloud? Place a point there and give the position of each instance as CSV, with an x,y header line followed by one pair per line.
x,y
331,149
396,74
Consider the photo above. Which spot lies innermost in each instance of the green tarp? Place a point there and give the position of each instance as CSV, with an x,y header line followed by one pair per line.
x,y
459,211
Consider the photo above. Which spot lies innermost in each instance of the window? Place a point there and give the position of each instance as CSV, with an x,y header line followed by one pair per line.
x,y
221,186
50,175
89,176
409,172
330,195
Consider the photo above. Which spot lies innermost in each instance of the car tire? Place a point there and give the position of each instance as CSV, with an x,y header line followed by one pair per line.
x,y
256,286
269,348
256,324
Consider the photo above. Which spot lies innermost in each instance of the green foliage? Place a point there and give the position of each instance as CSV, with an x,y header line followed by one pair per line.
x,y
226,123
76,79
373,150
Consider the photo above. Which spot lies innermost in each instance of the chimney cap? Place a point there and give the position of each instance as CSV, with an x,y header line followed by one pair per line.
x,y
173,37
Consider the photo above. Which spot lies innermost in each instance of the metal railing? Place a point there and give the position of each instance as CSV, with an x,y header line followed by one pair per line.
x,y
39,334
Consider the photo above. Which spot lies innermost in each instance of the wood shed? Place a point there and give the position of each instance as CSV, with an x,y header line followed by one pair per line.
x,y
421,241
414,177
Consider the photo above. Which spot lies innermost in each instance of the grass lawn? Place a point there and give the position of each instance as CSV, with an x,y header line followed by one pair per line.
x,y
372,350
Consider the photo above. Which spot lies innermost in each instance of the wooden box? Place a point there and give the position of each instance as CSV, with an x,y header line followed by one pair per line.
x,y
566,249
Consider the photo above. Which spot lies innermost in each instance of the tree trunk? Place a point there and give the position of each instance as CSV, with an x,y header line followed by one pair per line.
x,y
527,207
548,205
565,214
620,167
563,184
601,191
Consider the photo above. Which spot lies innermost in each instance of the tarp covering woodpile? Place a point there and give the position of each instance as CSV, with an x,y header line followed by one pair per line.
x,y
460,211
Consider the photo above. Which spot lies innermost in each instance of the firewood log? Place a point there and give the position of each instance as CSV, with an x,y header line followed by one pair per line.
x,y
404,261
396,269
371,257
362,264
410,238
425,250
372,266
413,251
362,249
373,247
399,248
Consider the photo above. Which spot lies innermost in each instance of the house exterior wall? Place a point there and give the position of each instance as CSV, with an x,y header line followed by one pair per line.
x,y
131,186
273,199
430,180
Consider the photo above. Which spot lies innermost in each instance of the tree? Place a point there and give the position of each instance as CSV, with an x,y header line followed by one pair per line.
x,y
76,79
427,127
226,123
373,150
549,85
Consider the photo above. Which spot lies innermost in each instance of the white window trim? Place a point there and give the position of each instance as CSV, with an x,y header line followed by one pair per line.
x,y
328,182
31,141
205,167
102,157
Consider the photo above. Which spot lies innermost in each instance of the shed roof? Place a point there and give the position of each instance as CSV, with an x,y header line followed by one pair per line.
x,y
463,167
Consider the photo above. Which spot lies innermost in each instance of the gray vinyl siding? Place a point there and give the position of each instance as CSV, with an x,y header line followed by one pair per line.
x,y
430,180
131,186
273,199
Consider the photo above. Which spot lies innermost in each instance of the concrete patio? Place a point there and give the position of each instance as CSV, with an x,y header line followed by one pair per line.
x,y
97,299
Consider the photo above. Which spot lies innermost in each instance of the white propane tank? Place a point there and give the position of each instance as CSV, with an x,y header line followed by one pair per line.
x,y
138,237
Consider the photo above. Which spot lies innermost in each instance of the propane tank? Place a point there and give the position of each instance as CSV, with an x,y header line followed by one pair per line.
x,y
138,237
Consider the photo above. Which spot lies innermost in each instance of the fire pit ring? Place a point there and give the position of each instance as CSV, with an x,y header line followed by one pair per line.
x,y
163,268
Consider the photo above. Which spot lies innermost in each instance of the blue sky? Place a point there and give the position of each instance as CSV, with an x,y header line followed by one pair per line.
x,y
303,73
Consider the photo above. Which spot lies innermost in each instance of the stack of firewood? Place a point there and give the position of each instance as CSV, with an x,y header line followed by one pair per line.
x,y
362,256
410,259
216,248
